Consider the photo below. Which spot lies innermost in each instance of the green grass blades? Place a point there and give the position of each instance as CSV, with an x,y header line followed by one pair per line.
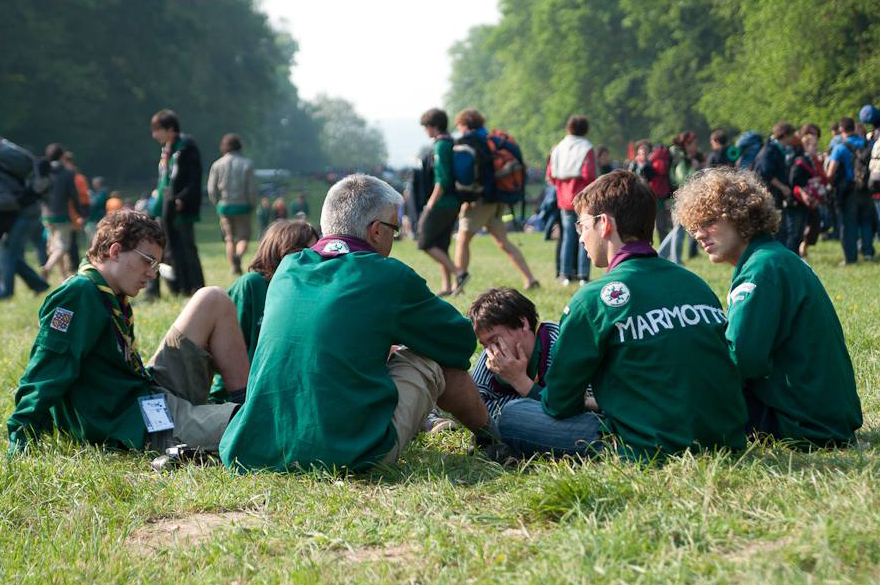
x,y
73,513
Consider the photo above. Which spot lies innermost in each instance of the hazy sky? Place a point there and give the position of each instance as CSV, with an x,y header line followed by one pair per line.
x,y
388,57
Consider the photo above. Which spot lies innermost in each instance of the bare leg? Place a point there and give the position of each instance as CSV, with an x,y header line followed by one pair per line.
x,y
209,320
241,247
463,250
499,233
462,400
447,268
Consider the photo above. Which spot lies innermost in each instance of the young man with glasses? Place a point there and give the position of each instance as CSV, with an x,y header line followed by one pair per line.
x,y
354,349
648,336
85,376
782,330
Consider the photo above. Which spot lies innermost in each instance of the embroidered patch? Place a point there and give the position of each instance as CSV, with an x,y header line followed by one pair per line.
x,y
615,294
61,320
566,310
740,293
336,247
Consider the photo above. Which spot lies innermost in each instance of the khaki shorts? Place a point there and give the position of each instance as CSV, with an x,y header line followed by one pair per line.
x,y
479,215
236,227
60,237
185,371
419,382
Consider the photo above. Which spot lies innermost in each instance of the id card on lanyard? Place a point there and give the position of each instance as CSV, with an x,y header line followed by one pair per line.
x,y
154,409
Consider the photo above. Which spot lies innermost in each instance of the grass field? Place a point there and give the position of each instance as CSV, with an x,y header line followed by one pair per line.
x,y
70,513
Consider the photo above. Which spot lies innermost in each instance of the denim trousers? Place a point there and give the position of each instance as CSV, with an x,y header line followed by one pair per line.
x,y
12,254
571,250
528,430
855,223
794,219
671,246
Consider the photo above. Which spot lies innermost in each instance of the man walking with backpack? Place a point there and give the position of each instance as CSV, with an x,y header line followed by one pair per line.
x,y
486,211
441,211
848,172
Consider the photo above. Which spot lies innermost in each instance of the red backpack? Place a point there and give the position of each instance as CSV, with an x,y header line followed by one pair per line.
x,y
508,166
660,160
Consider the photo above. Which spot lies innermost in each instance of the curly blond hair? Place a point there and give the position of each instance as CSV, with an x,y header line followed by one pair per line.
x,y
727,193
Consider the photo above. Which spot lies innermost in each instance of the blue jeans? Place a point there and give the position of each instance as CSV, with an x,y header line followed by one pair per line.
x,y
855,223
670,247
572,249
528,430
12,254
794,219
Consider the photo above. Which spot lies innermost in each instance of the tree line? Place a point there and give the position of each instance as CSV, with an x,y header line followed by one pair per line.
x,y
90,73
653,69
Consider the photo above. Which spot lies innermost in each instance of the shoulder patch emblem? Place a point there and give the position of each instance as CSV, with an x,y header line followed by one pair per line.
x,y
336,247
740,293
615,294
566,310
61,320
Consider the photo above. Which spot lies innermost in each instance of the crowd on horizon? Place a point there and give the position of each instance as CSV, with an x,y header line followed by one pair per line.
x,y
327,352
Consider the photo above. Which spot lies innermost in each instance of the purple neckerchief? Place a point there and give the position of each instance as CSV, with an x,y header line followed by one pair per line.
x,y
640,249
333,246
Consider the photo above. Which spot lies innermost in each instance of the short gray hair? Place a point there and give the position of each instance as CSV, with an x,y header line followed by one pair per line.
x,y
354,203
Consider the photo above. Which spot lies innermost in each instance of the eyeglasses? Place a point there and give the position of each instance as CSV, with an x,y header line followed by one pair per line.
x,y
394,228
152,262
579,227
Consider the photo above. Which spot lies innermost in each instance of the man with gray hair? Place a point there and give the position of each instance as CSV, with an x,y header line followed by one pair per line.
x,y
354,349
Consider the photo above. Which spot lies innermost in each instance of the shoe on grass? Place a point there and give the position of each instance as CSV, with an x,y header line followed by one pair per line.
x,y
460,281
182,454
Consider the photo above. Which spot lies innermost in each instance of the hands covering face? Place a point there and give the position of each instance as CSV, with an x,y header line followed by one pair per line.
x,y
509,364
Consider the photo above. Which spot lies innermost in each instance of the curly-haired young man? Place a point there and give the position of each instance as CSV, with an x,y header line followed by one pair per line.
x,y
782,329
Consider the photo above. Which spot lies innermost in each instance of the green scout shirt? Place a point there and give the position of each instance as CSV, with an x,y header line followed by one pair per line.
x,y
248,293
319,391
649,336
443,172
788,344
77,376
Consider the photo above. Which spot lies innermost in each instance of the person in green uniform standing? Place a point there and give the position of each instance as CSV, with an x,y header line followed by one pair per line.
x,y
648,336
441,211
332,385
248,293
783,331
85,376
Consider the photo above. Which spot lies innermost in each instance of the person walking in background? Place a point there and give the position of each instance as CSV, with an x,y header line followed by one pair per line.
x,y
299,206
661,185
687,160
279,209
809,185
77,216
855,221
603,161
486,212
232,187
440,213
178,203
97,206
640,165
719,155
56,210
572,167
770,167
264,215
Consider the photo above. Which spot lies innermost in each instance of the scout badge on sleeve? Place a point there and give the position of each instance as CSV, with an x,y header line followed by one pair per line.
x,y
615,294
61,320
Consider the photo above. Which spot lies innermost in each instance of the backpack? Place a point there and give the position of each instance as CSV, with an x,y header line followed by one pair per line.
x,y
749,145
874,167
508,167
24,179
814,192
861,167
661,161
472,169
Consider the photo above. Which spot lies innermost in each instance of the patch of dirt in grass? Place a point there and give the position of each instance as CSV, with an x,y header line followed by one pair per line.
x,y
760,547
369,554
187,531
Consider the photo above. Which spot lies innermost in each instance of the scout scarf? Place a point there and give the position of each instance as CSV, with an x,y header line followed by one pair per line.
x,y
542,345
333,246
640,249
166,171
121,315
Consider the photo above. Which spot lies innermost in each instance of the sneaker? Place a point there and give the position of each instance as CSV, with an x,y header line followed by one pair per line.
x,y
179,455
564,281
460,281
533,285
